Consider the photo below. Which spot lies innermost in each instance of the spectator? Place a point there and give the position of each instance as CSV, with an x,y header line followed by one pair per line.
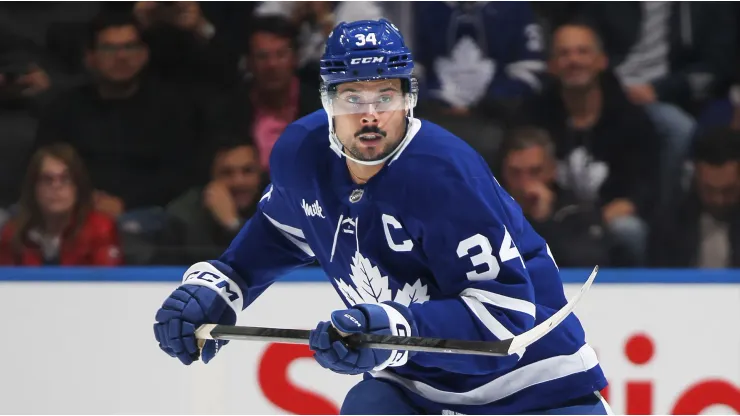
x,y
272,97
573,231
477,54
204,220
671,57
25,86
314,21
667,52
138,136
722,113
56,223
607,147
701,227
40,56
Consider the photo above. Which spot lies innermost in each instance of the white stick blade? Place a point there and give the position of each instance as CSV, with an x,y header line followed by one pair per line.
x,y
528,338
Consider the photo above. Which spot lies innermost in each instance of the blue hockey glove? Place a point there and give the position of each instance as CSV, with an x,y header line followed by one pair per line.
x,y
201,300
387,318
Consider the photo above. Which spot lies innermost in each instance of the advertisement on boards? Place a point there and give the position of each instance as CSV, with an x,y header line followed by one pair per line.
x,y
88,347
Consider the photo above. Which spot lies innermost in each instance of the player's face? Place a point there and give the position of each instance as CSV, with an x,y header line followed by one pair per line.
x,y
56,192
119,54
239,170
576,57
719,188
370,117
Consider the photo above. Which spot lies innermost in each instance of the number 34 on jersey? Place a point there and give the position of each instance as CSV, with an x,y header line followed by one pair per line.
x,y
477,248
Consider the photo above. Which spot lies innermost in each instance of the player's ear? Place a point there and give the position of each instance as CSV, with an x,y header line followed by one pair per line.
x,y
412,96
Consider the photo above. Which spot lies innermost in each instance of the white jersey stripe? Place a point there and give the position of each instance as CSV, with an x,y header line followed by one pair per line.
x,y
490,321
542,371
291,233
501,301
296,232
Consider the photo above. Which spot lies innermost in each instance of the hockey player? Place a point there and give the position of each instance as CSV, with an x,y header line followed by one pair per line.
x,y
415,235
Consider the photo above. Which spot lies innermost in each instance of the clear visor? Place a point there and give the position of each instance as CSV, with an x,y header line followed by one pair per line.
x,y
359,101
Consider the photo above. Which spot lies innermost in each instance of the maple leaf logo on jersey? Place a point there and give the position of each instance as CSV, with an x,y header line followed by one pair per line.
x,y
370,286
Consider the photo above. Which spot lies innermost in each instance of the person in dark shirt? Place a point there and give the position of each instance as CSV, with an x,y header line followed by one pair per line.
x,y
140,137
203,221
700,227
607,147
574,231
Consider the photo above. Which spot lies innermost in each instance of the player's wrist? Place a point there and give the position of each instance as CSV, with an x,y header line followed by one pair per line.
x,y
206,274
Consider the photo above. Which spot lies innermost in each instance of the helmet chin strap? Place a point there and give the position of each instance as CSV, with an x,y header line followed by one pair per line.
x,y
338,148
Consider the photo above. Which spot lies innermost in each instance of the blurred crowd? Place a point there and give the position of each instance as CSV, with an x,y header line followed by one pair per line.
x,y
139,133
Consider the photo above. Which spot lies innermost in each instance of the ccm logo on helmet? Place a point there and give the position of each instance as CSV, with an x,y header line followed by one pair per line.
x,y
366,60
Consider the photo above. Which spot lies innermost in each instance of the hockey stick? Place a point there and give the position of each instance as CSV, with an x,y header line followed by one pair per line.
x,y
391,342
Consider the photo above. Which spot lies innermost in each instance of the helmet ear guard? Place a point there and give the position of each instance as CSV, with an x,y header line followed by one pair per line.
x,y
413,91
325,100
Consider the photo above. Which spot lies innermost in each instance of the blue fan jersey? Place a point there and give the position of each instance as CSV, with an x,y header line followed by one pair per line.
x,y
493,49
433,230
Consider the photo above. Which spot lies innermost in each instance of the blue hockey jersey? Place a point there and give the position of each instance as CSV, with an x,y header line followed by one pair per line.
x,y
433,230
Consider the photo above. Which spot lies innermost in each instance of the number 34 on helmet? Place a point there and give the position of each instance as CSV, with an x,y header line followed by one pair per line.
x,y
367,50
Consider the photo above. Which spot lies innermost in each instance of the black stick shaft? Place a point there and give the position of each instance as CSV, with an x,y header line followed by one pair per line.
x,y
388,342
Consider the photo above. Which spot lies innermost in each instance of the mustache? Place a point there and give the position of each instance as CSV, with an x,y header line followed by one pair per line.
x,y
371,129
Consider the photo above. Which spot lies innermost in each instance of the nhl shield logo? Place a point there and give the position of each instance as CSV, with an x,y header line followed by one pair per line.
x,y
356,195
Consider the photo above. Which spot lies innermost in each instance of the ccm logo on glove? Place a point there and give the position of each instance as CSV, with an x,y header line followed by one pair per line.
x,y
352,318
204,274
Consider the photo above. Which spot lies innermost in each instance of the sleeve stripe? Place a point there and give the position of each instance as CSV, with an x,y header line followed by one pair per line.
x,y
493,325
287,228
501,301
291,233
300,244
